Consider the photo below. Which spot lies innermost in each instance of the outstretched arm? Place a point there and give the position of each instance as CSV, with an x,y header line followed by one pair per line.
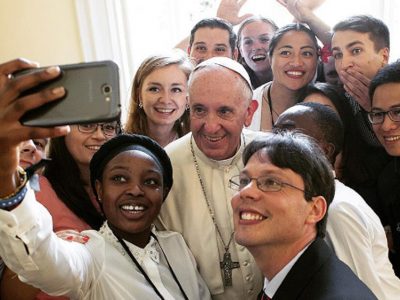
x,y
303,11
12,107
14,247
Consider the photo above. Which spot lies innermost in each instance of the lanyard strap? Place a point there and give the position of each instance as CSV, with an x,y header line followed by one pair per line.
x,y
170,268
126,248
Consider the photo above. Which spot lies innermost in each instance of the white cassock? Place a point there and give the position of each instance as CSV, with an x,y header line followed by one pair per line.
x,y
185,210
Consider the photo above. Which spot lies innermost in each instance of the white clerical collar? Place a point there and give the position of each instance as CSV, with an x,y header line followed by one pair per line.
x,y
220,163
270,287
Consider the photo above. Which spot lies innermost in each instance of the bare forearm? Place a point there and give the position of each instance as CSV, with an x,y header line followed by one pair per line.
x,y
320,28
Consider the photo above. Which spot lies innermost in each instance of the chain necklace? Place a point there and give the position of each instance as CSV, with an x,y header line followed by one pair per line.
x,y
269,102
227,265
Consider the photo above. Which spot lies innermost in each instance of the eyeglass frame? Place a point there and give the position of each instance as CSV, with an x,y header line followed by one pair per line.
x,y
236,186
389,113
117,128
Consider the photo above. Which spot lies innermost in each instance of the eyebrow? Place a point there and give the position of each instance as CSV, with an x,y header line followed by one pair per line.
x,y
256,36
307,46
349,45
286,46
274,172
119,167
125,168
159,84
397,105
301,48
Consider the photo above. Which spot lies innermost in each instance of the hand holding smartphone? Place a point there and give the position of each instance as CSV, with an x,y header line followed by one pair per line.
x,y
92,95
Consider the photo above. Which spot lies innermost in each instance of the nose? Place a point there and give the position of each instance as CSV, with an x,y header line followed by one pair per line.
x,y
29,146
135,189
99,134
388,124
346,62
250,191
296,60
257,44
211,123
208,55
165,96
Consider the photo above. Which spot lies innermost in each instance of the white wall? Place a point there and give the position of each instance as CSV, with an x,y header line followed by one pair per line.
x,y
45,31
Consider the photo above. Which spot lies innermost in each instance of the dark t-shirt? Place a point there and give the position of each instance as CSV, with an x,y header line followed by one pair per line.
x,y
389,192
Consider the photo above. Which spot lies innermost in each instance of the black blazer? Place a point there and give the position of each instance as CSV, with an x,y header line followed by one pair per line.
x,y
318,274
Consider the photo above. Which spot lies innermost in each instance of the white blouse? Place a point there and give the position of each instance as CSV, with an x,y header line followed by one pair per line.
x,y
99,269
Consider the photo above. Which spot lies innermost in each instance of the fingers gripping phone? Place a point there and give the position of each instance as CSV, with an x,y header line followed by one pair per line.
x,y
92,95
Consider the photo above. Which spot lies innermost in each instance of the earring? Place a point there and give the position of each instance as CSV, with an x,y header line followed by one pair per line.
x,y
140,105
187,106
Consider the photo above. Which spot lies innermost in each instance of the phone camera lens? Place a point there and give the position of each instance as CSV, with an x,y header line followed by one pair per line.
x,y
106,89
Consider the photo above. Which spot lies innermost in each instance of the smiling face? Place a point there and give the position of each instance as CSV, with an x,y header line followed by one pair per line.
x,y
254,43
275,219
163,95
218,111
31,152
210,42
294,60
352,49
387,97
82,145
131,193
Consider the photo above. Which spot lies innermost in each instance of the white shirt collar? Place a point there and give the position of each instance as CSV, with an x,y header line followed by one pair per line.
x,y
139,253
270,287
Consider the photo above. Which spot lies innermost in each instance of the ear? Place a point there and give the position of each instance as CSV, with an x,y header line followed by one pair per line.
x,y
99,190
250,112
329,150
385,56
318,210
235,54
188,50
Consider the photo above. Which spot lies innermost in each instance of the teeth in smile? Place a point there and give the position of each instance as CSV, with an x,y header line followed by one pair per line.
x,y
258,57
133,207
392,138
213,139
295,73
93,147
164,110
251,216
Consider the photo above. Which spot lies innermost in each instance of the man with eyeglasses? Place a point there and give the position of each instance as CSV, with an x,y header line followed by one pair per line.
x,y
280,216
353,231
385,119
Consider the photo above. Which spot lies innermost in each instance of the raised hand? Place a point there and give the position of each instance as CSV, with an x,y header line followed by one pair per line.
x,y
356,85
13,106
229,10
300,9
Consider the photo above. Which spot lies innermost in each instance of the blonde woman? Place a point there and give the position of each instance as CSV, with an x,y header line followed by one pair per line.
x,y
158,106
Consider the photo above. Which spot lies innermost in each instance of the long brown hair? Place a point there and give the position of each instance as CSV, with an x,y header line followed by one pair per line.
x,y
137,119
64,176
